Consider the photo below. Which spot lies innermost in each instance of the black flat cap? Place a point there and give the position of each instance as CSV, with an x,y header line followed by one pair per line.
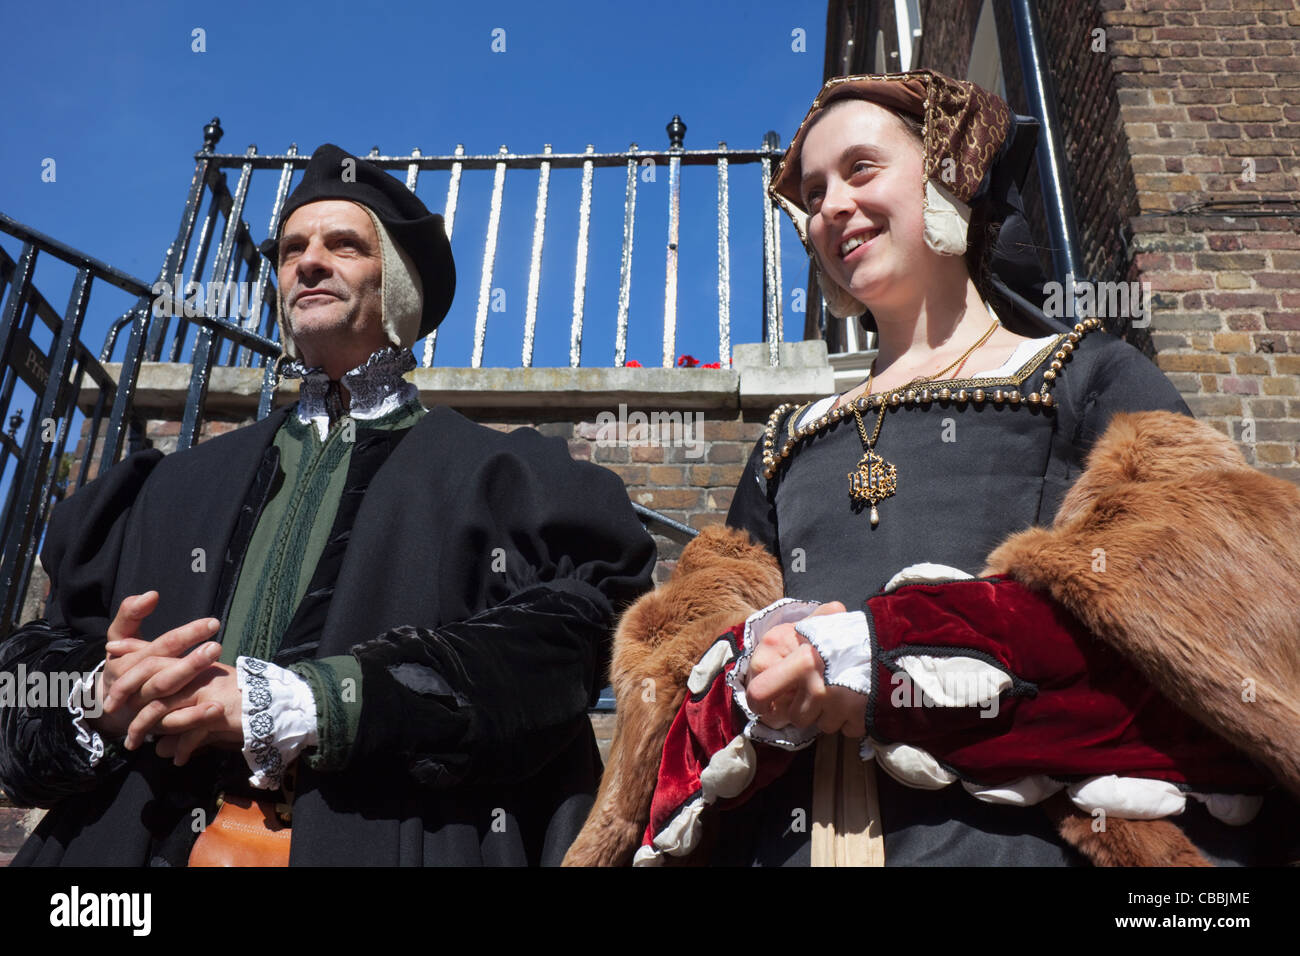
x,y
334,173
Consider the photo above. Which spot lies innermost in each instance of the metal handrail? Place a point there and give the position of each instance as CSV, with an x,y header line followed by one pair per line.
x,y
57,380
237,247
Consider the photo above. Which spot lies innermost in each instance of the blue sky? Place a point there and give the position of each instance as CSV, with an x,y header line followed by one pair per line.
x,y
116,96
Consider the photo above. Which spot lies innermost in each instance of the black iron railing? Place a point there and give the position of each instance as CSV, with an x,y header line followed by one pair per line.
x,y
213,208
186,315
53,381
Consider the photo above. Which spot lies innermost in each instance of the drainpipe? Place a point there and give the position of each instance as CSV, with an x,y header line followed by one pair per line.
x,y
1052,170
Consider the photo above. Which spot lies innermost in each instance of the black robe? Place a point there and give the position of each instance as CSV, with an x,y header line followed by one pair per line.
x,y
473,574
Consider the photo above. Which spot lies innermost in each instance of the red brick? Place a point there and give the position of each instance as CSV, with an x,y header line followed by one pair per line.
x,y
631,474
706,519
1239,386
1278,280
1240,300
667,475
1282,320
720,453
727,476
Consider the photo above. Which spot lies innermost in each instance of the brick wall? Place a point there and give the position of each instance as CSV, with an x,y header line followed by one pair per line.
x,y
696,491
1190,101
948,27
1209,98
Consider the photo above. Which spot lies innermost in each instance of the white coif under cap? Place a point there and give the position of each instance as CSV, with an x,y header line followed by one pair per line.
x,y
402,295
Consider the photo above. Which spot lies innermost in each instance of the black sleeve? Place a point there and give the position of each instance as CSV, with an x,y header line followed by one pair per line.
x,y
1122,379
752,507
40,759
494,697
1104,376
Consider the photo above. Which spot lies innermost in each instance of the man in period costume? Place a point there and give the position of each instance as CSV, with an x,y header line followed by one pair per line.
x,y
384,622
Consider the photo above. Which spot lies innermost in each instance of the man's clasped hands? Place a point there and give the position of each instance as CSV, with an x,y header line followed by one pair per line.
x,y
186,701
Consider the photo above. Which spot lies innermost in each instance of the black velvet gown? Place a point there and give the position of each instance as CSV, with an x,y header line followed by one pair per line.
x,y
968,476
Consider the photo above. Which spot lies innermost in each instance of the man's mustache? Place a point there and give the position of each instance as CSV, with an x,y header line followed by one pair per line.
x,y
313,290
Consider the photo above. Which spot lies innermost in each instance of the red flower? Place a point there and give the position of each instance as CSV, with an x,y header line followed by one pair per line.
x,y
687,361
712,365
632,363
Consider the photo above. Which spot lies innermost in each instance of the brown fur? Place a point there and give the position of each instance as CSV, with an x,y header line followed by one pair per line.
x,y
720,579
1122,842
1202,556
1201,552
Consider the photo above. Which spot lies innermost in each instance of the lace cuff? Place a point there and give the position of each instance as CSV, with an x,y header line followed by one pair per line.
x,y
278,718
844,643
82,693
759,623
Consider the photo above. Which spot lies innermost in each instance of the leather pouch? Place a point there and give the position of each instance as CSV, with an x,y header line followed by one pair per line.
x,y
245,832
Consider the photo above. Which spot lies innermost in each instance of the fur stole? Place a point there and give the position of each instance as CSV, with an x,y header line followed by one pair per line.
x,y
721,577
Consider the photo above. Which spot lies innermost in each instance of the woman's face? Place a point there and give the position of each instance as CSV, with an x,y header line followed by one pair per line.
x,y
862,182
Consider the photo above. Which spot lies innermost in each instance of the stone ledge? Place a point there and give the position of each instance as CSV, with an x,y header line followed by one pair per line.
x,y
164,385
804,373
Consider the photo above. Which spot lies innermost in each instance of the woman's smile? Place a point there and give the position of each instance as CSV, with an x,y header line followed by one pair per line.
x,y
857,241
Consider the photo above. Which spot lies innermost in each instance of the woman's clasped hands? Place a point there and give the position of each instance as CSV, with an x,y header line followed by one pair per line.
x,y
787,686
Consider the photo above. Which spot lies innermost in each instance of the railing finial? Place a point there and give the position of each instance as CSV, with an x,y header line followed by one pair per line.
x,y
772,140
212,134
676,132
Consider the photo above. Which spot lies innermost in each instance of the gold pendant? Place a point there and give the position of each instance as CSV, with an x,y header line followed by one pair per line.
x,y
873,481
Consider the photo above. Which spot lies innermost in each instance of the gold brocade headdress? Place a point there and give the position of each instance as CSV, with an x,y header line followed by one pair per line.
x,y
965,129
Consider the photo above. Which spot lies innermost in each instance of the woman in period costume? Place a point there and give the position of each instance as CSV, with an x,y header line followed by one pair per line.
x,y
976,419
933,481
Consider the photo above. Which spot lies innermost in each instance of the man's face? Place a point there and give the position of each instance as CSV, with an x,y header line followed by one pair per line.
x,y
331,279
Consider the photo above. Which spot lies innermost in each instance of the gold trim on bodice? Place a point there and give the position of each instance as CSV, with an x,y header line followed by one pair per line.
x,y
975,391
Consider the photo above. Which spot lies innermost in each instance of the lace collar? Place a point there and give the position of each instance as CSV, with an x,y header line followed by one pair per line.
x,y
376,388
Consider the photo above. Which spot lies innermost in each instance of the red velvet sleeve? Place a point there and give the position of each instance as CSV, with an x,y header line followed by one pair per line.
x,y
1070,706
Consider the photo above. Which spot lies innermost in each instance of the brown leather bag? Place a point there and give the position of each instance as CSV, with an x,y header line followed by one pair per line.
x,y
245,832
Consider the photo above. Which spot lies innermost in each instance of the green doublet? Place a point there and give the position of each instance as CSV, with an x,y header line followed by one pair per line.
x,y
282,555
